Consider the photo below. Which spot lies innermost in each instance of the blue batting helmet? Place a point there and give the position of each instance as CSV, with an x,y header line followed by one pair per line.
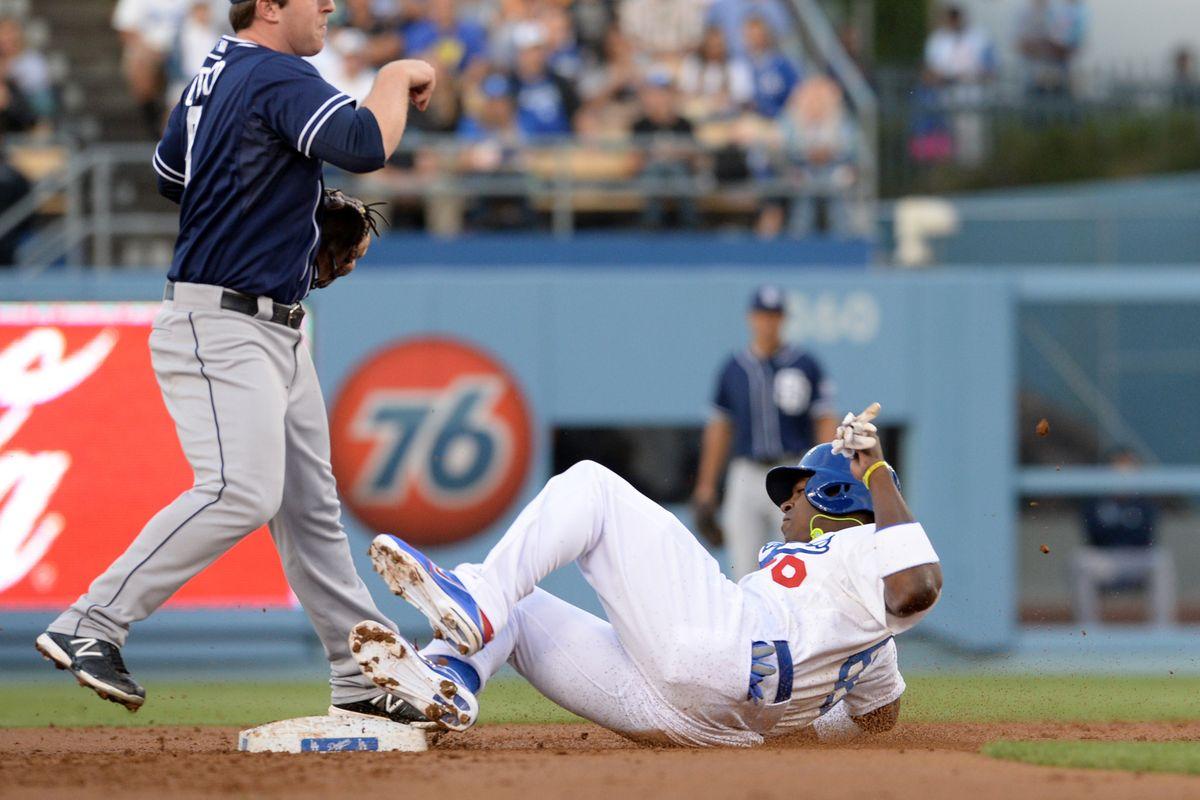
x,y
831,488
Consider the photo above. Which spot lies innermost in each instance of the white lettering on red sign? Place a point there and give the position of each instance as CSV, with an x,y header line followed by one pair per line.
x,y
35,370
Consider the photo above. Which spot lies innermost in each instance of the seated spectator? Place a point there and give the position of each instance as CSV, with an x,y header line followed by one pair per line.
x,y
1120,551
451,44
711,86
566,57
384,42
959,63
610,86
820,140
770,73
198,31
148,29
344,64
27,68
496,147
1185,87
13,188
663,30
1048,37
667,142
16,112
730,17
545,103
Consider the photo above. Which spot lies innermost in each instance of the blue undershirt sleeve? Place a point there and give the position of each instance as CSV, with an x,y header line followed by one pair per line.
x,y
350,140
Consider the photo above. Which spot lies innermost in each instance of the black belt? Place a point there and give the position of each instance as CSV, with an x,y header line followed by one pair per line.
x,y
281,314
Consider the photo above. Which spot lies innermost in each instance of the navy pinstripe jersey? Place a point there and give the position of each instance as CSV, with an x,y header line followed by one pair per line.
x,y
773,402
239,148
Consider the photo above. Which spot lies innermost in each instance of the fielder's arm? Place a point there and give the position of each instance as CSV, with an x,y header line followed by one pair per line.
x,y
396,84
714,450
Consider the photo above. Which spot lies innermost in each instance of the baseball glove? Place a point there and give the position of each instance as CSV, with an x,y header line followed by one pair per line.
x,y
347,225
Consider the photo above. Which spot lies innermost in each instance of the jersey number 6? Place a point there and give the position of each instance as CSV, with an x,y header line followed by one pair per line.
x,y
789,572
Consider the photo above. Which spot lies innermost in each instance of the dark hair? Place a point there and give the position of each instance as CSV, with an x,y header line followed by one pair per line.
x,y
241,13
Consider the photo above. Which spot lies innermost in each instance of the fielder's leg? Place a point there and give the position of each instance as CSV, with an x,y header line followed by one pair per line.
x,y
222,385
311,542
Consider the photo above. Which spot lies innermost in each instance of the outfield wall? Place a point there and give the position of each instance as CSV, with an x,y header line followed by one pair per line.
x,y
639,346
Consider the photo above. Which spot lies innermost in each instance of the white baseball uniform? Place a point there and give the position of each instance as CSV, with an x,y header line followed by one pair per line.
x,y
672,664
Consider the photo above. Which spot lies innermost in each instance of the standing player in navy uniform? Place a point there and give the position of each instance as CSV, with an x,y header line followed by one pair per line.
x,y
773,402
242,154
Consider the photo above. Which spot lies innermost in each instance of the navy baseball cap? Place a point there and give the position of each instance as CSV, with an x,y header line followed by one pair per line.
x,y
768,298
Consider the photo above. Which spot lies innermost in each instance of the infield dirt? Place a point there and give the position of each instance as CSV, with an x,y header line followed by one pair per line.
x,y
497,762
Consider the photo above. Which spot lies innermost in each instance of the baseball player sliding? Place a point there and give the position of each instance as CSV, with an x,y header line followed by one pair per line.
x,y
687,656
242,154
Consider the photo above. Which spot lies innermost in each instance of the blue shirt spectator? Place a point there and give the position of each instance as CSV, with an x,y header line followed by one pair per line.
x,y
772,74
545,103
731,16
444,39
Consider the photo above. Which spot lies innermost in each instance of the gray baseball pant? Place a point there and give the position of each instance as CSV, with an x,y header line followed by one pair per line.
x,y
248,410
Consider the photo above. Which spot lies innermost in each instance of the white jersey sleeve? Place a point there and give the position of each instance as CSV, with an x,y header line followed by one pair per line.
x,y
879,684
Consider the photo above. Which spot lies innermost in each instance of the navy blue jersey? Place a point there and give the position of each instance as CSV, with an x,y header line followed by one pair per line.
x,y
242,154
773,402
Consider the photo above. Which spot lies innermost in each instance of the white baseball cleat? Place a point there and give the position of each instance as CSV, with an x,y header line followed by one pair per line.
x,y
435,592
395,665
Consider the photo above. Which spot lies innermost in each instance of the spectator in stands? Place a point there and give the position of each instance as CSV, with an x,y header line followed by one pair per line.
x,y
712,87
663,30
545,103
14,186
731,15
819,139
384,42
769,72
198,30
496,148
148,29
1049,34
610,85
669,151
1120,551
566,57
27,68
451,44
960,62
343,62
1185,87
16,113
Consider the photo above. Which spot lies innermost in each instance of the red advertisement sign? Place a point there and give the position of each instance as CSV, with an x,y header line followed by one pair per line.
x,y
88,454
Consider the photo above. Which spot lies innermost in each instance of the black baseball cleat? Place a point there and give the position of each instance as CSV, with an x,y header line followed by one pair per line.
x,y
383,706
96,664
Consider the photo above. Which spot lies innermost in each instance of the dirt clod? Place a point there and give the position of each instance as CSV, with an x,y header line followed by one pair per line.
x,y
1043,427
1045,549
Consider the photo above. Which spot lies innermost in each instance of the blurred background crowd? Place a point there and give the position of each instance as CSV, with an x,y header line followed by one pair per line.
x,y
781,117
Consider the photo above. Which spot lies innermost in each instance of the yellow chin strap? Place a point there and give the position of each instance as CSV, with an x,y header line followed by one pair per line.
x,y
814,531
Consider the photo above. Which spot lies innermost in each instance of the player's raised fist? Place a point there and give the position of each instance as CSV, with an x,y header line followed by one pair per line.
x,y
422,78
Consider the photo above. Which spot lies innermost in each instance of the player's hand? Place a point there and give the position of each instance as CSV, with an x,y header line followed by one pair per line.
x,y
856,432
422,79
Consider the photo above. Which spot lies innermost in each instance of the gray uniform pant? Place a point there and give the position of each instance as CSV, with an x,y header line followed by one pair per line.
x,y
248,410
749,517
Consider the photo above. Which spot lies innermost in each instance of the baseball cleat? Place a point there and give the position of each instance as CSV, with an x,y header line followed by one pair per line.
x,y
395,665
383,706
435,592
96,664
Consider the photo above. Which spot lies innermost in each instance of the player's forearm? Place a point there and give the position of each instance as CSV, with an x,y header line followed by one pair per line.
x,y
714,449
388,101
890,508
